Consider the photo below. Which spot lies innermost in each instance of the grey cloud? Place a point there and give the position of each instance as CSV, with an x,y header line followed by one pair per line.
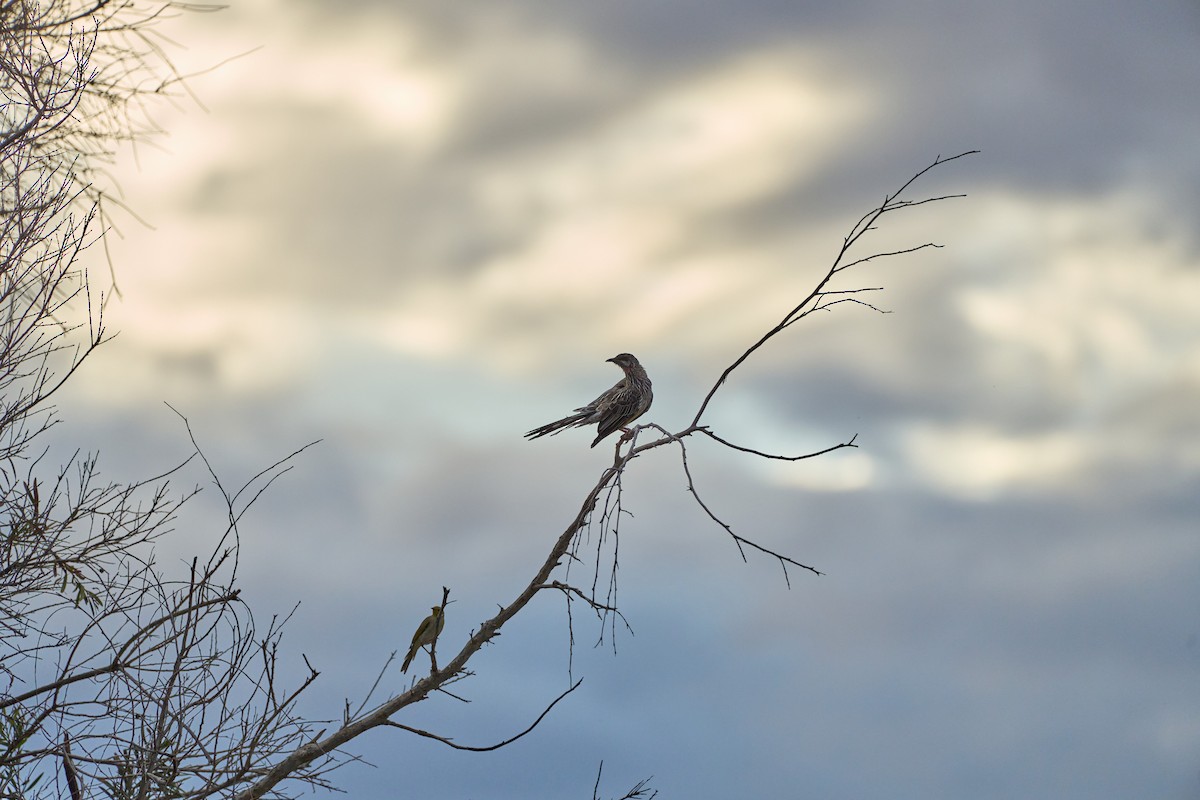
x,y
1026,644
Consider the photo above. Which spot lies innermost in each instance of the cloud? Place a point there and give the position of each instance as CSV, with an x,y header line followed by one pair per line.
x,y
416,230
983,464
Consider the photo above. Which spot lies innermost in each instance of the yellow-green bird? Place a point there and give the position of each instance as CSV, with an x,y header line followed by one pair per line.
x,y
427,633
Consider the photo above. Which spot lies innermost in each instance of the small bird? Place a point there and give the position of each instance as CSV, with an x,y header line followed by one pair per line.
x,y
612,411
427,633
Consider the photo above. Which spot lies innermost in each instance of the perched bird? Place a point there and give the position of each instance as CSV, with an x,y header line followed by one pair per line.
x,y
613,410
427,633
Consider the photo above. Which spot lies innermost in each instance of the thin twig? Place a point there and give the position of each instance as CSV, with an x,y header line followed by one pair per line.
x,y
484,749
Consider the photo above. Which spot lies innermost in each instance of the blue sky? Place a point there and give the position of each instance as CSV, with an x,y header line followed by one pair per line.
x,y
416,230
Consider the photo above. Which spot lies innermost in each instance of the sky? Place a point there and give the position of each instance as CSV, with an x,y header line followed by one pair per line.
x,y
416,230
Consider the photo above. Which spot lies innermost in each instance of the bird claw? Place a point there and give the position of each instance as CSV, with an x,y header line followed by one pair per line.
x,y
627,435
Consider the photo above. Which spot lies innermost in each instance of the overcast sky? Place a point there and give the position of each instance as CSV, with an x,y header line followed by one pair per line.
x,y
416,230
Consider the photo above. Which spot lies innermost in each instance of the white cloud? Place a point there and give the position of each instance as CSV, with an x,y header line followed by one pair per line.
x,y
609,224
1080,285
979,463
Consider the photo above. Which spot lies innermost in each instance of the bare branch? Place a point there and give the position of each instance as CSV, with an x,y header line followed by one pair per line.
x,y
487,630
890,203
447,741
739,540
638,791
752,451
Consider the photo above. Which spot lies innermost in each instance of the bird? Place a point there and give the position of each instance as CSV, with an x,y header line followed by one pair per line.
x,y
627,400
426,634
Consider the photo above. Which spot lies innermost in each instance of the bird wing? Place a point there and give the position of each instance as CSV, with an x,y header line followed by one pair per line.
x,y
600,403
622,404
426,633
429,629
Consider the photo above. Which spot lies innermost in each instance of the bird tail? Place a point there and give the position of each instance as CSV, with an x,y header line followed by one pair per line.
x,y
412,651
555,427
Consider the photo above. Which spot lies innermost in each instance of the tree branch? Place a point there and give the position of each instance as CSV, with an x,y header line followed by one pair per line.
x,y
450,742
866,223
